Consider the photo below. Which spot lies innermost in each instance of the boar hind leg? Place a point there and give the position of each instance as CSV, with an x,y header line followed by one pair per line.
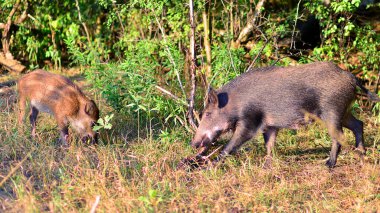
x,y
22,105
33,120
356,126
269,138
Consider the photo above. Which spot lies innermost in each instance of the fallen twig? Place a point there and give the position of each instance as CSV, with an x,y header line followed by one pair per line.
x,y
171,95
15,168
97,199
213,152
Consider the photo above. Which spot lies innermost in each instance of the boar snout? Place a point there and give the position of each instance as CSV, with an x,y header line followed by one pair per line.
x,y
195,145
93,139
204,141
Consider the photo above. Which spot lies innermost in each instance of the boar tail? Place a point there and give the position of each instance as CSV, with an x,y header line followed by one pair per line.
x,y
370,95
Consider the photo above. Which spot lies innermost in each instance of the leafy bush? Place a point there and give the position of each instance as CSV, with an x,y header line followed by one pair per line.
x,y
227,64
131,86
344,38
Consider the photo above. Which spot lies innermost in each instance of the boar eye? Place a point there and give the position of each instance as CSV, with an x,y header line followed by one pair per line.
x,y
205,114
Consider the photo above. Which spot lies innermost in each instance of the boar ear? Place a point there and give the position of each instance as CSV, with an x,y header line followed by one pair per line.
x,y
91,109
212,97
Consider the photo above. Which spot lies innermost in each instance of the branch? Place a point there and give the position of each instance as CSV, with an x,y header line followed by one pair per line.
x,y
6,37
257,56
292,44
192,66
118,16
93,208
171,59
11,64
171,95
13,11
22,18
83,24
243,36
24,14
14,169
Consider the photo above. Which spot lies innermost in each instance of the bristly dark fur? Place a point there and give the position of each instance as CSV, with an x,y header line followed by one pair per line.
x,y
270,98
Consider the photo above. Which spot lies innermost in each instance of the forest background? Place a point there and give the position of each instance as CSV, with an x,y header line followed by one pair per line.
x,y
138,60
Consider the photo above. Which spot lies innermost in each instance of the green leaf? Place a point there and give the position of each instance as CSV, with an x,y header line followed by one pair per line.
x,y
96,128
152,193
101,121
54,24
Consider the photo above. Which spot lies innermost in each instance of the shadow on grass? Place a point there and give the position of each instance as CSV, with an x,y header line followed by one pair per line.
x,y
310,151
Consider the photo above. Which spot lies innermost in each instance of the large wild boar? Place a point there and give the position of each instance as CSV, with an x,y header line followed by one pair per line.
x,y
271,98
57,95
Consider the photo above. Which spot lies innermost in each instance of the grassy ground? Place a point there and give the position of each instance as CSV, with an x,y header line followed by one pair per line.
x,y
137,172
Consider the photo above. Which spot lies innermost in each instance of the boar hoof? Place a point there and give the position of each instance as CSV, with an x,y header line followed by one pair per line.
x,y
64,144
360,150
193,162
63,141
330,163
268,162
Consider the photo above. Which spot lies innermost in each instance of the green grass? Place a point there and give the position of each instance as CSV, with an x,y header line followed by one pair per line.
x,y
138,172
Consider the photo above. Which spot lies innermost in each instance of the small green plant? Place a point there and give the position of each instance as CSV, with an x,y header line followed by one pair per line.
x,y
55,56
151,201
104,123
131,86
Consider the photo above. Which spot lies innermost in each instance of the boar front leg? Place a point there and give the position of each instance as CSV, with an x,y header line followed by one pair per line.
x,y
269,137
64,130
336,135
240,136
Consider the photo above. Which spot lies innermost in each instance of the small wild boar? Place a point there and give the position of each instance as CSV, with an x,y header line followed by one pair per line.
x,y
271,98
60,97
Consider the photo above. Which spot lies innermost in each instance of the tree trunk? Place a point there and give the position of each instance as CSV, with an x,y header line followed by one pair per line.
x,y
83,24
192,67
206,41
11,64
245,32
6,36
232,18
6,57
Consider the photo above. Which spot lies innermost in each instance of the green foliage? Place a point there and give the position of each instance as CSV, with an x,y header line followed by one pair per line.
x,y
227,64
135,49
104,123
151,201
131,86
344,39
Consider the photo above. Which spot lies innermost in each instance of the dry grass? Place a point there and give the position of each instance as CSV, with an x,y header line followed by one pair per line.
x,y
139,174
